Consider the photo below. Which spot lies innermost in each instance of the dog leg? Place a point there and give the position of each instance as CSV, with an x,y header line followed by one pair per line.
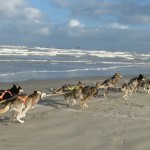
x,y
23,114
145,89
82,104
125,97
72,102
85,105
106,94
130,92
18,118
18,115
66,100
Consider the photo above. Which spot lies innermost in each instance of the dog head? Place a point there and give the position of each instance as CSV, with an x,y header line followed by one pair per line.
x,y
140,77
80,84
117,75
42,94
16,89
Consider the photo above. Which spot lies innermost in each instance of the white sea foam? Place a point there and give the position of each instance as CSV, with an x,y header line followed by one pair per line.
x,y
41,51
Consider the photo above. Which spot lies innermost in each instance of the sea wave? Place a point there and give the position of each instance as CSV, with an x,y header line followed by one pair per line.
x,y
88,62
63,71
51,52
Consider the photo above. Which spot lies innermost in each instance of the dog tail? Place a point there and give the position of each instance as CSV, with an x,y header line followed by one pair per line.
x,y
5,109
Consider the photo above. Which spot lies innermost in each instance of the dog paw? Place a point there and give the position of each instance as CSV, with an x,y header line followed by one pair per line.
x,y
21,121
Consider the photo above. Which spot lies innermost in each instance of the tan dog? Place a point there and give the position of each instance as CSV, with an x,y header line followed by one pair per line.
x,y
145,84
87,93
110,83
69,91
136,82
127,90
22,104
84,94
74,95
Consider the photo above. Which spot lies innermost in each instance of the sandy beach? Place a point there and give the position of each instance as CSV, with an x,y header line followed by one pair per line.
x,y
107,124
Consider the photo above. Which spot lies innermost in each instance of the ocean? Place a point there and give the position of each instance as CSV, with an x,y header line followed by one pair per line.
x,y
20,63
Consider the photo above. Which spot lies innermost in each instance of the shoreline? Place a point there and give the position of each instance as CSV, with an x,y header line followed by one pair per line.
x,y
108,123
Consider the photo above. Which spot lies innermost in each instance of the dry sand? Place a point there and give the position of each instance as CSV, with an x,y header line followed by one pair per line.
x,y
107,124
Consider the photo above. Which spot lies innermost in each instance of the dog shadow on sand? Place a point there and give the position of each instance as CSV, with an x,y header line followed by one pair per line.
x,y
56,102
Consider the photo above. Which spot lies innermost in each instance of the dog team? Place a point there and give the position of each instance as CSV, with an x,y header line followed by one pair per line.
x,y
14,99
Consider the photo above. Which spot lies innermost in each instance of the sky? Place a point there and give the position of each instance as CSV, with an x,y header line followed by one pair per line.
x,y
86,24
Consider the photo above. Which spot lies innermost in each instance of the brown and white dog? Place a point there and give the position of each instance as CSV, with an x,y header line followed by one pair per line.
x,y
110,83
87,93
136,82
22,104
131,87
145,85
126,88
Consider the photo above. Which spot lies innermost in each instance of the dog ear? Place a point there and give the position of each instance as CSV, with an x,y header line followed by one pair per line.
x,y
14,85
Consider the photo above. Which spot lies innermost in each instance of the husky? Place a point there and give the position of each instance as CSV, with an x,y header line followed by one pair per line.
x,y
133,85
110,83
136,82
22,104
146,85
87,93
84,94
13,91
126,88
69,90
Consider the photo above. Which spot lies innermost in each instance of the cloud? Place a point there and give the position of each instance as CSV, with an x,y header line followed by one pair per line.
x,y
123,12
32,14
10,8
90,24
18,16
117,26
18,10
75,23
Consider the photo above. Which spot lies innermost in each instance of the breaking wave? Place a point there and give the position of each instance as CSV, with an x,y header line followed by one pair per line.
x,y
41,51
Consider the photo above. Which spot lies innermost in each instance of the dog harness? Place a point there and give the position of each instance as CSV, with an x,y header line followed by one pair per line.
x,y
23,99
71,88
1,97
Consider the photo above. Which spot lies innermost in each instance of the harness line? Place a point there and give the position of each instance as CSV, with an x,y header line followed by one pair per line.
x,y
48,95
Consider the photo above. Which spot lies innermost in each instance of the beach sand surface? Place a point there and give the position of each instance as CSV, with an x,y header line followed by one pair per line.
x,y
107,124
